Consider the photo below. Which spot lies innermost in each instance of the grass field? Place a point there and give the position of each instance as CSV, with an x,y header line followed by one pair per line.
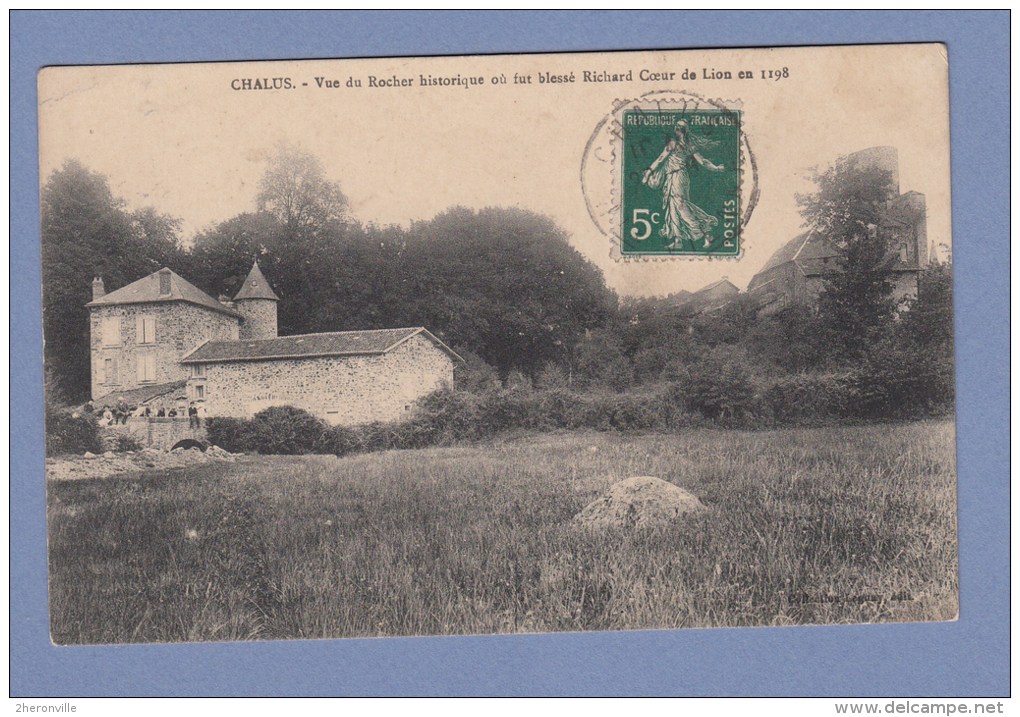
x,y
844,524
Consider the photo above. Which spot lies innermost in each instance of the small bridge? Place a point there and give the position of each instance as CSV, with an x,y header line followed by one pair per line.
x,y
162,433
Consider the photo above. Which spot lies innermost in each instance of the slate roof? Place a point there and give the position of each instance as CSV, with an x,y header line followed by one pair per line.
x,y
339,343
256,286
142,394
146,290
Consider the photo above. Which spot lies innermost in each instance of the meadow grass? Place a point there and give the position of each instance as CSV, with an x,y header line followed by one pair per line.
x,y
824,525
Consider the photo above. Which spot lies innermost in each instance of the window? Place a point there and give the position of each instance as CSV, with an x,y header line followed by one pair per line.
x,y
199,391
110,370
197,370
146,368
111,331
145,333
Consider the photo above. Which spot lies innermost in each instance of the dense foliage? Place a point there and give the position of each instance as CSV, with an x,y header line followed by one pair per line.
x,y
87,232
847,208
69,432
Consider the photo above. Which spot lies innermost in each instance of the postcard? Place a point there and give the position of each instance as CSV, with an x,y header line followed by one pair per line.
x,y
498,344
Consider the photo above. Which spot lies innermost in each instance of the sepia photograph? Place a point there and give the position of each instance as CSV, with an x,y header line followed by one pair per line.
x,y
491,344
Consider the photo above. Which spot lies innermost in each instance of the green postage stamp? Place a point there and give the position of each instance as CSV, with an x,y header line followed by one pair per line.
x,y
680,193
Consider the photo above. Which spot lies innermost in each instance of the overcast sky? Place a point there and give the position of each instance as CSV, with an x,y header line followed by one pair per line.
x,y
180,139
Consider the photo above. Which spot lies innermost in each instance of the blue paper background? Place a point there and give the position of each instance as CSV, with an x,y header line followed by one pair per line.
x,y
968,657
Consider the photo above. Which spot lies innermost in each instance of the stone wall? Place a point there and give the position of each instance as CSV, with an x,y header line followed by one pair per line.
x,y
341,390
180,327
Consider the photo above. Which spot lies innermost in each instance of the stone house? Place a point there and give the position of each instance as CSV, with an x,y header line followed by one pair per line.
x,y
796,272
162,341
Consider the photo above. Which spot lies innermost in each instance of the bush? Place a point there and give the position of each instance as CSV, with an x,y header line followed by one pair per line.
x,y
560,408
69,432
510,408
809,396
339,440
720,391
474,375
635,411
898,383
673,412
231,434
124,443
442,418
285,430
552,376
381,436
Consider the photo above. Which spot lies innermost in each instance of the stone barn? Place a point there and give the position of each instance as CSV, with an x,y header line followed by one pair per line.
x,y
348,377
796,273
151,337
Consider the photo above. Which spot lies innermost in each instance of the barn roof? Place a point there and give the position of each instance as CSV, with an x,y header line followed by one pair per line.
x,y
704,299
338,343
787,252
714,285
808,245
146,290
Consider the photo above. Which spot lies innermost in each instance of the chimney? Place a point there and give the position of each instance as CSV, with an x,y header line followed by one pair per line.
x,y
98,290
164,282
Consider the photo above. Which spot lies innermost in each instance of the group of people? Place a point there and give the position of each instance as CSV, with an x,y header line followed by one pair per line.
x,y
120,412
109,416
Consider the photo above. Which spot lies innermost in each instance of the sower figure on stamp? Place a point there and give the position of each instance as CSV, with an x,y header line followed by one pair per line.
x,y
671,172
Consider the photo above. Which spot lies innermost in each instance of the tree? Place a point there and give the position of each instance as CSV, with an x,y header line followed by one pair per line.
x,y
924,340
502,282
658,337
599,361
87,232
730,324
221,256
789,339
928,323
855,307
295,190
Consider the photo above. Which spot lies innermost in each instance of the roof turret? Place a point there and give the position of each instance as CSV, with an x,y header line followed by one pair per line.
x,y
255,286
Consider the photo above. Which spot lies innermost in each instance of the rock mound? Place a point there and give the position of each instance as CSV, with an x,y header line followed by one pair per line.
x,y
110,464
639,502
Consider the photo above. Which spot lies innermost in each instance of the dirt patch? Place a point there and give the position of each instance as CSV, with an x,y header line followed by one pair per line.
x,y
639,502
111,464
